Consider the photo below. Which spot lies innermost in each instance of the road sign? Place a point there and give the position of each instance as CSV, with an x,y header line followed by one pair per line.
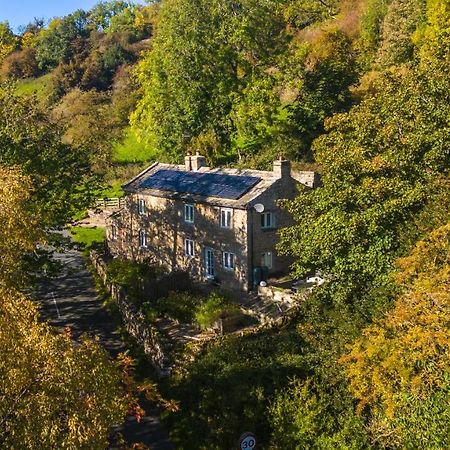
x,y
247,441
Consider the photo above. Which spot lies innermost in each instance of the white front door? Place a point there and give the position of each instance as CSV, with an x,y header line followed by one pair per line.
x,y
209,263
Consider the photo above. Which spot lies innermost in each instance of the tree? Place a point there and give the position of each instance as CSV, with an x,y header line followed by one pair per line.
x,y
89,122
62,178
202,55
59,41
402,19
377,162
20,64
303,13
100,15
398,369
19,224
306,416
8,41
53,394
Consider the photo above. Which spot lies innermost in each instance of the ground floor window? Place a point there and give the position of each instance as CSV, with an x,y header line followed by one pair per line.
x,y
142,238
114,232
189,247
209,263
228,260
267,259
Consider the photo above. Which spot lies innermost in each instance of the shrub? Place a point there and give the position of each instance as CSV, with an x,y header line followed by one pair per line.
x,y
180,306
212,309
132,275
20,64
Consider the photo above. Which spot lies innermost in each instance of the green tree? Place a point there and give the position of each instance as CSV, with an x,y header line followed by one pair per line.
x,y
62,178
59,41
88,122
377,161
101,14
402,19
203,54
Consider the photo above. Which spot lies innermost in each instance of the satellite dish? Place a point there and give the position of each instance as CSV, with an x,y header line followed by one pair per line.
x,y
259,207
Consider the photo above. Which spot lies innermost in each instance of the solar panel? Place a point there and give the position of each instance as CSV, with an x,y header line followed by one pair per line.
x,y
206,184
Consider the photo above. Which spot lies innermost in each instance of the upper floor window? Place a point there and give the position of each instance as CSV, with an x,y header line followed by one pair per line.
x,y
228,260
114,232
225,217
142,239
267,220
189,247
141,206
267,259
189,213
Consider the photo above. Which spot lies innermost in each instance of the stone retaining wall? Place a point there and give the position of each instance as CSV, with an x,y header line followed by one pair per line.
x,y
277,294
146,335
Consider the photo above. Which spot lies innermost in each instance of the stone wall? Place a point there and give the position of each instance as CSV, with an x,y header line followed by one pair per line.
x,y
265,240
167,231
277,294
135,323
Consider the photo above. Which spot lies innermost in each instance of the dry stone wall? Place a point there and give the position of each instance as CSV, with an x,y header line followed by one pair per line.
x,y
146,335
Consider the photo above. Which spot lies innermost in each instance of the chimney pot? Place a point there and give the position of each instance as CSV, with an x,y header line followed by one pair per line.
x,y
194,163
282,168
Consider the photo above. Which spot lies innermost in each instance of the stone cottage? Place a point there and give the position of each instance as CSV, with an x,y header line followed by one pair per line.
x,y
219,224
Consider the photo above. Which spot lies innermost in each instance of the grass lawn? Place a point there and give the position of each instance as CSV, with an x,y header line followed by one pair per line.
x,y
114,190
88,236
38,86
129,150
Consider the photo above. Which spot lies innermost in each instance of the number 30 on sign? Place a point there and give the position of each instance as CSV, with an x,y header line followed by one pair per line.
x,y
247,441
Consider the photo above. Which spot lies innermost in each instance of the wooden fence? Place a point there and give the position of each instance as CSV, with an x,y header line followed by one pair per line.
x,y
110,203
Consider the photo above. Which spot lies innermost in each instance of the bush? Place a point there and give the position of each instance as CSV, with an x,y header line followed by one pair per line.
x,y
132,275
212,309
179,305
20,64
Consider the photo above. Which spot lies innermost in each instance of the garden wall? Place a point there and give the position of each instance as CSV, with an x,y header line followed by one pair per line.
x,y
146,335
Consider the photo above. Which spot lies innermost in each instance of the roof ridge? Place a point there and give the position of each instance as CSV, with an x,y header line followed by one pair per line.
x,y
141,173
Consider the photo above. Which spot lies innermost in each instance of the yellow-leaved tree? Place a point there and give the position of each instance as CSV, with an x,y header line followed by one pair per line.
x,y
19,223
399,369
53,393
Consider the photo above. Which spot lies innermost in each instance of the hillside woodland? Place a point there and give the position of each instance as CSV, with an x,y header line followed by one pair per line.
x,y
358,90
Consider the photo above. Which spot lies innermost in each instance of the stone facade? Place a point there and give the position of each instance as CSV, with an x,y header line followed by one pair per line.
x,y
167,226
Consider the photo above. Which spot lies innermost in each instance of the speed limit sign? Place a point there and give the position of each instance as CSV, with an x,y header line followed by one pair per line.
x,y
247,441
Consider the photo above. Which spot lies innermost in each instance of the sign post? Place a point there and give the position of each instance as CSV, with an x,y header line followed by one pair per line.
x,y
247,441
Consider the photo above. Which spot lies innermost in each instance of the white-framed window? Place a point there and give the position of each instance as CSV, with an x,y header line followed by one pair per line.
x,y
141,206
142,239
267,259
189,248
228,260
189,213
114,232
226,217
267,220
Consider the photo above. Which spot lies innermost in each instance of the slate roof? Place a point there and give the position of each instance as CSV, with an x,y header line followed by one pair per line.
x,y
200,183
217,186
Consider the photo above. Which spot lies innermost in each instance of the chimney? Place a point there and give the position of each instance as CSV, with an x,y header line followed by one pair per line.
x,y
282,168
193,163
188,162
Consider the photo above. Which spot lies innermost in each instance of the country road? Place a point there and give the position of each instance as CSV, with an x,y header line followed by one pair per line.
x,y
71,300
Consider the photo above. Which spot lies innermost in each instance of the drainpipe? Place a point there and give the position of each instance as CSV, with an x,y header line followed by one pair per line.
x,y
250,249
